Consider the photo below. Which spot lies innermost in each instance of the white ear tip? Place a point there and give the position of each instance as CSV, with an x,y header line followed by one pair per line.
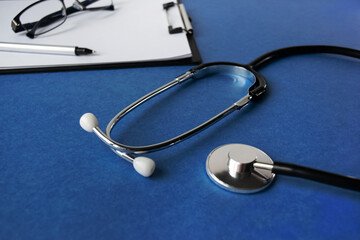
x,y
88,121
144,166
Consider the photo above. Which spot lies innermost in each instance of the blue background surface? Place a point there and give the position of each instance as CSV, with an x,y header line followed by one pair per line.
x,y
59,182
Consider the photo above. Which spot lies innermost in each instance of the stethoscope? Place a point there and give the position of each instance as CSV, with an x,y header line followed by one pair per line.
x,y
234,167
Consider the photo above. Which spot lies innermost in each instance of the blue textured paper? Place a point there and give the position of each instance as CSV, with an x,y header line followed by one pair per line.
x,y
59,182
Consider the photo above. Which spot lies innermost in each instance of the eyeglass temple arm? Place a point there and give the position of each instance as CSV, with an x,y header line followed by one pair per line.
x,y
53,17
83,5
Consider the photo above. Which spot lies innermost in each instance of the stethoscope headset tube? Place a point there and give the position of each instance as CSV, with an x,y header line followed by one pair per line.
x,y
145,166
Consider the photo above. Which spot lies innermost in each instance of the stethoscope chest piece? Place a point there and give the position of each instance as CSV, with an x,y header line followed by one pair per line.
x,y
233,167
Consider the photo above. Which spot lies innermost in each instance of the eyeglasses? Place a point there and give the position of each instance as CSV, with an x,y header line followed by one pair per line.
x,y
46,15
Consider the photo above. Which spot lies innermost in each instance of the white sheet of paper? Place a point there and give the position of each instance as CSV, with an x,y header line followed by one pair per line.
x,y
136,31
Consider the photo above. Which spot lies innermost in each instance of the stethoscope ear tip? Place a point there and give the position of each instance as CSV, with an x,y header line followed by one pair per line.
x,y
144,166
88,122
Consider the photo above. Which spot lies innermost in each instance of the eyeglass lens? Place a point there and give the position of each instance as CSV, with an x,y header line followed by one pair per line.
x,y
44,16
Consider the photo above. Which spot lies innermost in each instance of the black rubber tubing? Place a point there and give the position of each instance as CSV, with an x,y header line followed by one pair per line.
x,y
294,170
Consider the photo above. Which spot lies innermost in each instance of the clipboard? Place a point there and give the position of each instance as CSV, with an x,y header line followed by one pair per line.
x,y
164,14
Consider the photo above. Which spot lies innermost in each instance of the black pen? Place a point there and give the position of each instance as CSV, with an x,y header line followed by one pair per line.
x,y
44,49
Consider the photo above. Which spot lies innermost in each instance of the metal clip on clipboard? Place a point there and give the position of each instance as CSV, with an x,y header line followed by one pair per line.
x,y
185,19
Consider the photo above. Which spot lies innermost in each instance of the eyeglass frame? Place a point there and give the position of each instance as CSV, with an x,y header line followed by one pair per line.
x,y
77,6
